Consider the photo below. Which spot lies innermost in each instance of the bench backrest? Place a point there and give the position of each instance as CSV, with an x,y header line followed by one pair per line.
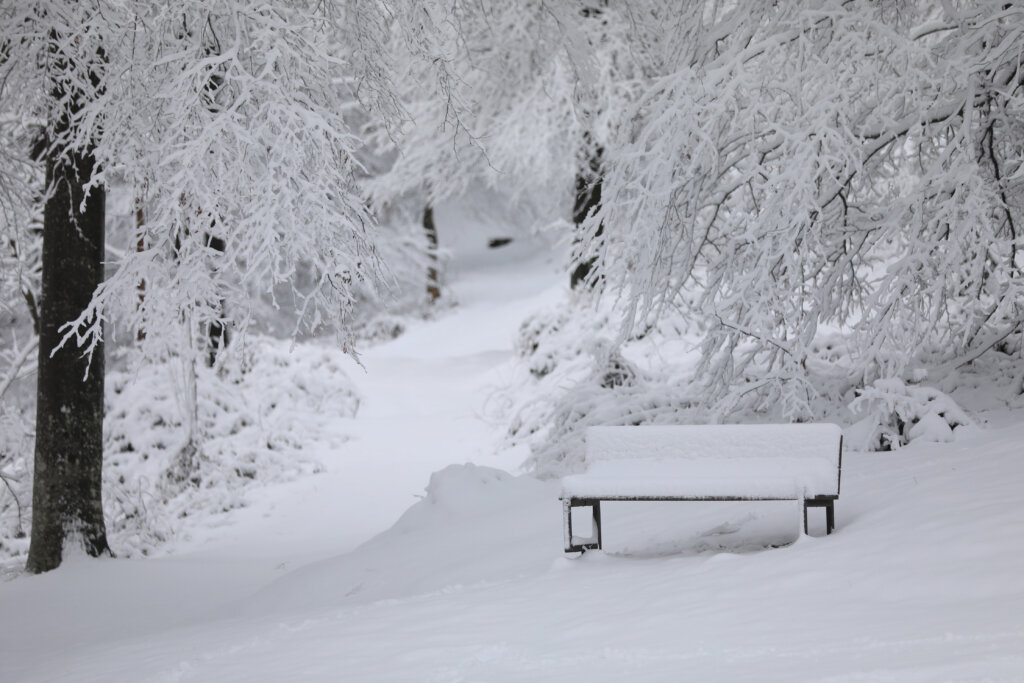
x,y
818,443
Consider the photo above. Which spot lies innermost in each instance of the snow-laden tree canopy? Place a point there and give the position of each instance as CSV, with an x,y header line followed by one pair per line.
x,y
781,170
226,121
776,172
522,88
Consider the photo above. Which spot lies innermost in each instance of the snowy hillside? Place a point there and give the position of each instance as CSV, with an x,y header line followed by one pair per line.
x,y
357,573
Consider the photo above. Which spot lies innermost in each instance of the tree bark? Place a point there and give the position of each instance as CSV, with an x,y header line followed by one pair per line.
x,y
67,503
588,200
433,277
140,246
217,333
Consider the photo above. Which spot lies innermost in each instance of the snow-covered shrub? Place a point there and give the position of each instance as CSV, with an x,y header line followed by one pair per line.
x,y
572,375
540,344
15,481
256,413
895,413
552,361
255,417
18,355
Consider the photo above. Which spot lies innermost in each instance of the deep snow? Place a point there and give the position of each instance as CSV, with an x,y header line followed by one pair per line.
x,y
358,574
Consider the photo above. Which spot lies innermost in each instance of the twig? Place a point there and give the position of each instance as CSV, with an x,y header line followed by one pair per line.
x,y
767,340
17,501
19,360
978,352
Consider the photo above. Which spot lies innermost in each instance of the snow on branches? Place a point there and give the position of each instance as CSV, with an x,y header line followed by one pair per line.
x,y
780,173
818,164
226,122
828,193
499,94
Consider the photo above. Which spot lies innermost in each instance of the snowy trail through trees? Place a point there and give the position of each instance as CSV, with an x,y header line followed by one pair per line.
x,y
421,403
422,399
315,580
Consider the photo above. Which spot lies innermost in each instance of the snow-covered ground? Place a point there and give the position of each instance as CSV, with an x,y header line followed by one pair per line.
x,y
359,574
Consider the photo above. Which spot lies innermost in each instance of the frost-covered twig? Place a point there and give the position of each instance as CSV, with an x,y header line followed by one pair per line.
x,y
14,495
979,349
16,363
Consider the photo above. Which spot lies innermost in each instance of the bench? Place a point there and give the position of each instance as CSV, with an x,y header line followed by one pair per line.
x,y
705,463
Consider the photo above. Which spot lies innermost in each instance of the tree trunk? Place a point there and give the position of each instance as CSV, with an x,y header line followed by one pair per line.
x,y
588,201
217,333
140,246
67,499
433,277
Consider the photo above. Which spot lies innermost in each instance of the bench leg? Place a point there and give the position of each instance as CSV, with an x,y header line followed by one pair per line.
x,y
567,525
830,513
593,543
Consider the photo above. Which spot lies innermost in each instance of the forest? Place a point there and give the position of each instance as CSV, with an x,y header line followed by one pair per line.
x,y
229,227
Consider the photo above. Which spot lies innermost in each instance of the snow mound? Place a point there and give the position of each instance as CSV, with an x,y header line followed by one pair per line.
x,y
474,524
895,413
454,577
460,489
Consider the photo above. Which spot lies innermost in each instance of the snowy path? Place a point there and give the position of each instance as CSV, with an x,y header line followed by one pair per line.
x,y
421,398
924,580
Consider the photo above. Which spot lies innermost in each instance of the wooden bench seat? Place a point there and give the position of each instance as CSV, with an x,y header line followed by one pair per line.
x,y
705,463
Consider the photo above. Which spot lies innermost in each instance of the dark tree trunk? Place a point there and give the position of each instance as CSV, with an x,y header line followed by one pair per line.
x,y
67,503
433,278
588,187
588,201
217,334
140,246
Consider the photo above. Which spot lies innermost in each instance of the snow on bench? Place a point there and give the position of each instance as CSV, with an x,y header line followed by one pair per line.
x,y
705,462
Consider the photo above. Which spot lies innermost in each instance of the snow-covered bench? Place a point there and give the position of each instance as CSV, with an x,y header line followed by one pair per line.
x,y
705,463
